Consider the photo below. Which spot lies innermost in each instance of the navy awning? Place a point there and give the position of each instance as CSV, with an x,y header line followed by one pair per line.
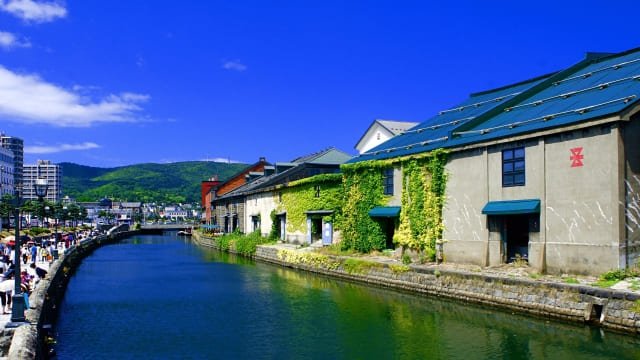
x,y
512,207
385,211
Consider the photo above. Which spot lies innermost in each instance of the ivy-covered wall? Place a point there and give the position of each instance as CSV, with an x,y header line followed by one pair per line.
x,y
363,191
423,191
300,196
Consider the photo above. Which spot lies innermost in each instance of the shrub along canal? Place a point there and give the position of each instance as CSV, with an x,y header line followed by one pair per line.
x,y
161,297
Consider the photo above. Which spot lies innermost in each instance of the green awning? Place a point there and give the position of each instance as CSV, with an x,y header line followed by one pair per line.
x,y
319,212
512,207
385,211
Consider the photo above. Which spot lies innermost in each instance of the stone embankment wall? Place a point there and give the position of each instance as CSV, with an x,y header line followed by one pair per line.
x,y
611,309
30,341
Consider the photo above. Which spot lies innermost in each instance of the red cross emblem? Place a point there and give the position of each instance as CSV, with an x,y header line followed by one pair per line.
x,y
576,157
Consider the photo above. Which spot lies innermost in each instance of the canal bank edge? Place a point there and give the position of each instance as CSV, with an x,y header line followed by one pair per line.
x,y
611,309
29,341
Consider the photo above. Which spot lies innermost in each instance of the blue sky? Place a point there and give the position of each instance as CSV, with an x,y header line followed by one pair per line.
x,y
111,83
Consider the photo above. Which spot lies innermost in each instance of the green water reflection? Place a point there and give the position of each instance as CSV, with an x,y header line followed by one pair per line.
x,y
240,309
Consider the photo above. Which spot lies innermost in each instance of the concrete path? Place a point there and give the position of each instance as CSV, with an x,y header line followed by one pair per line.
x,y
6,318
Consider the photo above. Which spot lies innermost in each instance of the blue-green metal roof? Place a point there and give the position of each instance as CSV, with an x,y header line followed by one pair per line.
x,y
593,88
385,211
512,207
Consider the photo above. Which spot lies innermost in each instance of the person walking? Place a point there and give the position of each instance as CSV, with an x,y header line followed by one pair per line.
x,y
6,289
34,252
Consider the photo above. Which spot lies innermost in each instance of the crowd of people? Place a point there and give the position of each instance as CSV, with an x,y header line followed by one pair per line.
x,y
35,259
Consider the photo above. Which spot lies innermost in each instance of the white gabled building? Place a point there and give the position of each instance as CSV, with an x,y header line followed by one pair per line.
x,y
380,131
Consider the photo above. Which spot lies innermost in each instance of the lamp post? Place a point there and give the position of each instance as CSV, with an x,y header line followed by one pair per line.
x,y
17,310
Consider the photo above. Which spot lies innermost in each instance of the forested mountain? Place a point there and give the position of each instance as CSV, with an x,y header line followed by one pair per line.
x,y
170,183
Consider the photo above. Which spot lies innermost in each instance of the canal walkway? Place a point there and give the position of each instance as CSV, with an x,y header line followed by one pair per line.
x,y
6,318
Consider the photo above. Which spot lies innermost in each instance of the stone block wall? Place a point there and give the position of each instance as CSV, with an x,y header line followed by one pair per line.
x,y
609,308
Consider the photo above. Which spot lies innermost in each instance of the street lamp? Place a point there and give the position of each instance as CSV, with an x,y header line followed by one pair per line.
x,y
17,311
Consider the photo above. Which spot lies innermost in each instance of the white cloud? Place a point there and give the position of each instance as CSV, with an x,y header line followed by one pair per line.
x,y
31,100
222,160
9,41
51,149
234,65
34,11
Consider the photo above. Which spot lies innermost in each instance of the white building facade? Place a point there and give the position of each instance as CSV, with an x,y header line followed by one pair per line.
x,y
44,169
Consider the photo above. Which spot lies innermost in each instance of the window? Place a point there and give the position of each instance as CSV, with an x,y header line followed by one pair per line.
x,y
387,180
513,167
316,189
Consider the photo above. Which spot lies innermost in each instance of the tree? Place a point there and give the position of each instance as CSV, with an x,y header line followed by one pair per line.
x,y
6,207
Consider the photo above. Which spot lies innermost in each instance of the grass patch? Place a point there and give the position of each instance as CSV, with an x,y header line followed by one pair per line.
x,y
242,244
309,258
358,266
399,269
336,250
388,252
605,283
612,277
535,276
571,280
621,274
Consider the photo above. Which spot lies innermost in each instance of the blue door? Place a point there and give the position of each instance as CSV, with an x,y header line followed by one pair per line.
x,y
309,240
283,227
327,233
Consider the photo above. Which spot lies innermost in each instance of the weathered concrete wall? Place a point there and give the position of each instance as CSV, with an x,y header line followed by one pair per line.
x,y
611,309
582,227
582,223
466,194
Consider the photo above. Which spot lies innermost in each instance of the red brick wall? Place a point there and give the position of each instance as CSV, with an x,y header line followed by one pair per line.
x,y
205,189
239,179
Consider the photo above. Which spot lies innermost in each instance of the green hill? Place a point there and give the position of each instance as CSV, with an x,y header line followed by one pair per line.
x,y
169,183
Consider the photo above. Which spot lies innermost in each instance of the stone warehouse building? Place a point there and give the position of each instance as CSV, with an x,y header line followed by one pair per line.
x,y
546,170
227,216
268,191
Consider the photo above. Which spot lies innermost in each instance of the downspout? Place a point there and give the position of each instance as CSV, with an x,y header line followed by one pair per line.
x,y
626,199
488,243
626,228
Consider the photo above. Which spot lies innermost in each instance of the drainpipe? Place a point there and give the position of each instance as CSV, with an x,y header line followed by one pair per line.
x,y
626,218
543,263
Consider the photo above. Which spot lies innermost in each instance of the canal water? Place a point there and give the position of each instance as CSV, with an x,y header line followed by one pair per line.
x,y
161,297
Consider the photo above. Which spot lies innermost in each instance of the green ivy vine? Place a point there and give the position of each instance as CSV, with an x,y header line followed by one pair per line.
x,y
422,199
300,196
363,192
